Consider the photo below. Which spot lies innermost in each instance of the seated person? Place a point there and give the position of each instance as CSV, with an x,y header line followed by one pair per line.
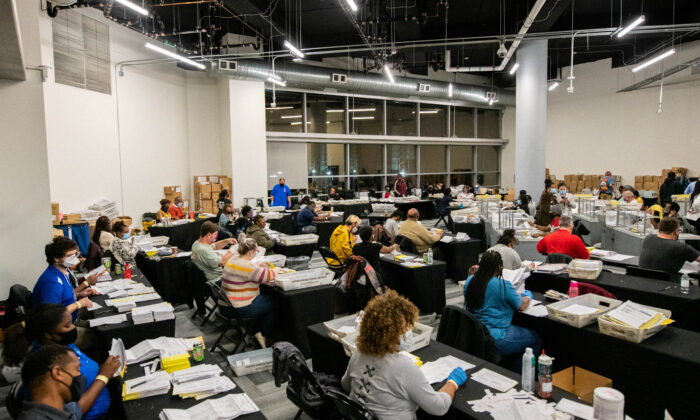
x,y
628,200
465,195
637,197
388,383
102,235
164,211
175,210
241,282
370,250
417,233
245,220
258,234
505,245
333,194
54,284
281,195
392,223
306,218
493,301
664,252
203,255
227,215
555,211
343,238
387,191
443,207
50,325
669,210
565,198
563,242
224,198
123,246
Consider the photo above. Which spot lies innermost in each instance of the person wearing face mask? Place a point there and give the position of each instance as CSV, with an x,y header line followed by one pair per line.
x,y
258,234
241,281
544,216
553,225
493,301
204,255
226,216
244,221
281,195
164,210
54,286
343,238
123,246
565,198
50,325
465,195
387,191
387,382
176,209
664,252
523,202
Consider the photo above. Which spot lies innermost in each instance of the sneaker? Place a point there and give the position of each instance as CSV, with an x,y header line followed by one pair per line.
x,y
261,340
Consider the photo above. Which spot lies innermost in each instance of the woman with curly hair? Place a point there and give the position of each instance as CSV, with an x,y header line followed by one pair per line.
x,y
387,382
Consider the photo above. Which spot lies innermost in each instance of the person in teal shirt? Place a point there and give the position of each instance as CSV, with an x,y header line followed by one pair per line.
x,y
281,195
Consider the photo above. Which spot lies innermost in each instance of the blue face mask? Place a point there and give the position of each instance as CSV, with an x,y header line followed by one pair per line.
x,y
562,192
126,236
519,202
406,341
553,190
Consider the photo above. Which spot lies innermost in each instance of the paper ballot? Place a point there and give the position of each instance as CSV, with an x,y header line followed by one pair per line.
x,y
441,368
494,380
634,315
577,309
576,409
224,408
107,320
119,351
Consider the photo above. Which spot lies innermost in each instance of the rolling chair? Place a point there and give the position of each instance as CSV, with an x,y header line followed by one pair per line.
x,y
347,408
556,258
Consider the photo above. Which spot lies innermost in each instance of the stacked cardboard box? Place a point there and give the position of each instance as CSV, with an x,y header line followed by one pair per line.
x,y
207,189
173,191
647,182
54,213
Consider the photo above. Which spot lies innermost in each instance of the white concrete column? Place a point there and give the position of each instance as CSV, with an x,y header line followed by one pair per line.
x,y
531,117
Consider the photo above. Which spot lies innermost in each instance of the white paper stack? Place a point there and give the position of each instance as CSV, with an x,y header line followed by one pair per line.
x,y
119,351
141,315
200,382
441,368
494,380
224,408
106,208
145,297
146,386
124,304
107,320
166,346
516,278
513,405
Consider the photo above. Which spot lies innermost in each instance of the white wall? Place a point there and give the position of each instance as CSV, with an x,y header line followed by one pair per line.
x,y
289,158
25,203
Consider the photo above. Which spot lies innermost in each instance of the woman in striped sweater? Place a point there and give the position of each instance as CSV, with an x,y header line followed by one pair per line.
x,y
241,282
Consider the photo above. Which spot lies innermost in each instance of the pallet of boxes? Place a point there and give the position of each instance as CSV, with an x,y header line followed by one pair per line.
x,y
649,182
172,192
206,192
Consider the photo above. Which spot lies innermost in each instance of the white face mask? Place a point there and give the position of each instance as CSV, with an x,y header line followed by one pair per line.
x,y
406,340
354,229
71,261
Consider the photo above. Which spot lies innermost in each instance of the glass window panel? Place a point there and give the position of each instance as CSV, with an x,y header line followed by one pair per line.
x,y
461,179
400,118
326,159
463,122
487,158
489,179
366,159
433,179
432,159
286,115
488,124
461,158
366,116
400,158
325,114
320,185
433,120
366,183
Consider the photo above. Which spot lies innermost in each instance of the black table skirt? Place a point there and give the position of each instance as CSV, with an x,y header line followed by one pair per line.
x,y
685,309
426,208
150,407
359,209
295,250
284,225
181,236
459,256
474,230
424,286
661,372
297,309
168,276
324,230
328,357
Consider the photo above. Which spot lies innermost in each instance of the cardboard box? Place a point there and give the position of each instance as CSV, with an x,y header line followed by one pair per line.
x,y
126,219
648,178
57,233
54,208
205,188
638,179
651,186
580,381
71,217
216,188
638,186
200,178
207,204
172,189
172,196
214,179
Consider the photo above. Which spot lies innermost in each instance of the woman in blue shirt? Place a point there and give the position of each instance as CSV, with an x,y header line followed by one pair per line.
x,y
493,300
52,324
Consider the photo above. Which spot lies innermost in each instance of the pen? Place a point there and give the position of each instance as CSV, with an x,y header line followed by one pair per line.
x,y
665,288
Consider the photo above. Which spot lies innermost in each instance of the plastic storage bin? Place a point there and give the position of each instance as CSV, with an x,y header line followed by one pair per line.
x,y
337,327
306,278
634,335
251,362
557,310
307,238
298,263
278,260
585,269
421,338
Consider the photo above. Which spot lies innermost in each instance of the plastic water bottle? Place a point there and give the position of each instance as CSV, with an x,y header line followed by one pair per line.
x,y
685,284
430,256
528,372
573,289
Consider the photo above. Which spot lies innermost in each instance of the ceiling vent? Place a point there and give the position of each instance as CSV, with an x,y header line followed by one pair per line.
x,y
422,87
228,65
339,78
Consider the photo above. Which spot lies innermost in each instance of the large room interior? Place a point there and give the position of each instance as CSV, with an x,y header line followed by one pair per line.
x,y
260,172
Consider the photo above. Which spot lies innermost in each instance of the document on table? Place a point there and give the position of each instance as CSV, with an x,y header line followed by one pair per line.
x,y
107,320
441,368
94,306
632,314
99,270
228,407
575,409
494,380
619,257
538,311
690,267
577,309
693,216
119,351
447,239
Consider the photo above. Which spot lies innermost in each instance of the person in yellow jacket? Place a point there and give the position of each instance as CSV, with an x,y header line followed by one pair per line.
x,y
342,238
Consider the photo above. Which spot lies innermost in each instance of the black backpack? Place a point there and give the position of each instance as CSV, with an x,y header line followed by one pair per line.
x,y
18,303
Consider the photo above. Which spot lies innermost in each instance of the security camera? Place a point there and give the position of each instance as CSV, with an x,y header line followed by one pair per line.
x,y
502,51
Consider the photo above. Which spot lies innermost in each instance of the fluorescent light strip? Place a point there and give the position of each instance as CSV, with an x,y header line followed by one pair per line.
x,y
514,68
277,81
553,86
134,7
274,76
363,118
353,110
298,122
175,56
387,71
449,90
430,111
631,26
352,5
654,60
335,110
272,108
291,116
293,49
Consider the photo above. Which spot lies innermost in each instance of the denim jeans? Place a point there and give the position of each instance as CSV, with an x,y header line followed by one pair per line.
x,y
515,341
263,310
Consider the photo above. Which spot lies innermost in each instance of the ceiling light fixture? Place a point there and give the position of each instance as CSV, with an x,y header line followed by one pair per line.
x,y
272,108
429,111
175,56
553,86
352,5
449,90
514,68
290,116
654,60
335,110
276,80
387,71
294,50
362,110
631,26
298,122
134,7
363,118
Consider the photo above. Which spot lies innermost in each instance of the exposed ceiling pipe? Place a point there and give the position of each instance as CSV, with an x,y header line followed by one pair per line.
x,y
351,17
513,46
302,76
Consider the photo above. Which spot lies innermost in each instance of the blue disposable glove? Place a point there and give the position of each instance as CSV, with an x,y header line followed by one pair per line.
x,y
528,294
458,376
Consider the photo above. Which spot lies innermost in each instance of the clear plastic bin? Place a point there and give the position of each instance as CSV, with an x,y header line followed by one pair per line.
x,y
585,269
298,263
557,310
305,278
421,338
251,362
307,238
338,328
628,333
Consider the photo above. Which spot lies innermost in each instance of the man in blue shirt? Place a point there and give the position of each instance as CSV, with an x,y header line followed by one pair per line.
x,y
306,218
281,195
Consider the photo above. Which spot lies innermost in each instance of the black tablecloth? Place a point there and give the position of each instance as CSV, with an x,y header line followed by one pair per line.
x,y
359,209
168,276
328,357
459,256
295,250
150,407
297,309
661,372
474,230
424,286
284,225
375,218
181,236
325,229
685,309
426,208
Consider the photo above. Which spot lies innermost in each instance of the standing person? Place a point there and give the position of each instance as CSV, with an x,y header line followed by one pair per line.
x,y
664,252
102,235
400,187
392,223
258,234
123,246
691,187
387,382
176,209
163,211
544,216
670,187
682,178
606,185
565,198
281,195
694,205
523,201
204,255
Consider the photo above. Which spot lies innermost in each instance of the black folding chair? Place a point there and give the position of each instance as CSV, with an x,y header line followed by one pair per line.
x,y
648,273
14,399
200,292
227,313
557,258
332,261
303,389
349,409
405,244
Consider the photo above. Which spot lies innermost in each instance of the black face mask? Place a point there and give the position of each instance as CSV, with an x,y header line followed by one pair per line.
x,y
76,387
67,338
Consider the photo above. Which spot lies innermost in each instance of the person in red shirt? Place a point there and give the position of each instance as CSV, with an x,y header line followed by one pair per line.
x,y
400,187
176,209
563,242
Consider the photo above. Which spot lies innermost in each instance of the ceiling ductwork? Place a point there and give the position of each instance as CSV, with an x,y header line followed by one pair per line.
x,y
317,78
